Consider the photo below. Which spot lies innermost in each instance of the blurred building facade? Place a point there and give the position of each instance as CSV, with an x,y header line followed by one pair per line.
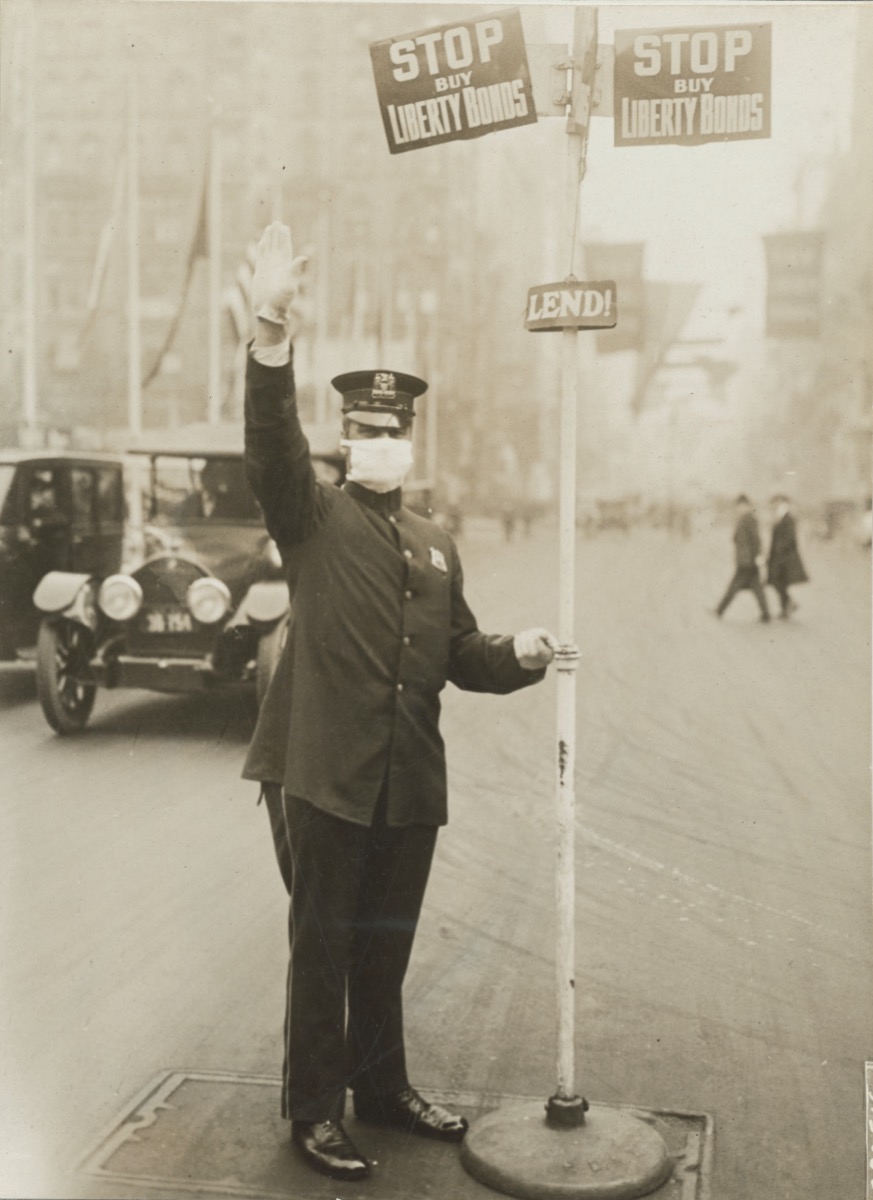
x,y
418,262
810,430
839,411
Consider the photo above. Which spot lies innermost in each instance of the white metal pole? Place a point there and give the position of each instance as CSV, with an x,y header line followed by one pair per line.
x,y
322,308
565,872
567,655
134,348
214,300
29,388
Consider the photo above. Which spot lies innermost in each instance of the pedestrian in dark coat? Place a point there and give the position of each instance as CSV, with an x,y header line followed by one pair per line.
x,y
784,564
348,741
747,547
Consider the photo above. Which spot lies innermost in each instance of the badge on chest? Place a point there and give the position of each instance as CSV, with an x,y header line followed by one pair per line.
x,y
438,560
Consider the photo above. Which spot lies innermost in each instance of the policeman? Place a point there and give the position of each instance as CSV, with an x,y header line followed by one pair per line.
x,y
349,728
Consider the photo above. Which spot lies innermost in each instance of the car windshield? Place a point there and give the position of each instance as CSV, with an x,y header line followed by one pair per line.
x,y
7,474
178,489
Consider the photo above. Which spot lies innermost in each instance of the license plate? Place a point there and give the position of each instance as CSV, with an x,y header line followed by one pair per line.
x,y
168,620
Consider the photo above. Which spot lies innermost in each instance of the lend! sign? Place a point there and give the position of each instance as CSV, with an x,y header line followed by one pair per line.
x,y
571,305
454,81
691,86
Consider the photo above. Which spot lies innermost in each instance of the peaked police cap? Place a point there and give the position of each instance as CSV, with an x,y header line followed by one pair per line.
x,y
379,392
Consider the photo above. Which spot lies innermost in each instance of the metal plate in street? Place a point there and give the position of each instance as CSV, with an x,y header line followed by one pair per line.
x,y
219,1134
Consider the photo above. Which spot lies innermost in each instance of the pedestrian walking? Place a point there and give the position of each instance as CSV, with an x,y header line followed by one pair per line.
x,y
348,737
784,564
508,487
747,548
864,530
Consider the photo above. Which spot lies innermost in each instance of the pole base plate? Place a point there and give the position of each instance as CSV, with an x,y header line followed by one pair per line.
x,y
612,1156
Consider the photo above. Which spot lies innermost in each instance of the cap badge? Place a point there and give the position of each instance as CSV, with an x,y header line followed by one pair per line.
x,y
437,558
384,386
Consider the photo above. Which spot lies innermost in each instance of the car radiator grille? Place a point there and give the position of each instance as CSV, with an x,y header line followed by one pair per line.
x,y
164,625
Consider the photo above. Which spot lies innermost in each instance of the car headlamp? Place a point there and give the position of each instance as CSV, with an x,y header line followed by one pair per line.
x,y
120,597
208,600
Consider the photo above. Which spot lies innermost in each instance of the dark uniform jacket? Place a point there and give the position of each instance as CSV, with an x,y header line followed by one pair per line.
x,y
379,625
747,540
784,564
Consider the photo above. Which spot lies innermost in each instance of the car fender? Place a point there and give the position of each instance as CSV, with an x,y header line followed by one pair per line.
x,y
67,594
264,603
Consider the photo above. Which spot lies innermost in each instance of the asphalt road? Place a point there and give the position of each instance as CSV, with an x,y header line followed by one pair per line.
x,y
724,950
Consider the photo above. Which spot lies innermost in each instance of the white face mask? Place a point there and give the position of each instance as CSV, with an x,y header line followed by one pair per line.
x,y
380,464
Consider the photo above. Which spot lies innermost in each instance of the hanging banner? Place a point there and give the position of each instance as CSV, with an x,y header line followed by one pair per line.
x,y
794,263
621,262
690,86
453,81
571,304
668,306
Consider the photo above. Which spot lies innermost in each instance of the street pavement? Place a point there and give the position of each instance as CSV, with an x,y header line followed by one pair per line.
x,y
723,917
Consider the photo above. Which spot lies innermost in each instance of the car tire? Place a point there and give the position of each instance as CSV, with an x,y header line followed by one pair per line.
x,y
63,650
270,646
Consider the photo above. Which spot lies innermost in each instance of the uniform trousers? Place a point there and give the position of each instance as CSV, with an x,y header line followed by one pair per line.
x,y
356,894
745,578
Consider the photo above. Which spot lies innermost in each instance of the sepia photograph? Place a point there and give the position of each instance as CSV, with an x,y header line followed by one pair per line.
x,y
436,505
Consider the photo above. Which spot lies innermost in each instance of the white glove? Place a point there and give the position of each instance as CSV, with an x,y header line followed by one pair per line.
x,y
276,280
534,648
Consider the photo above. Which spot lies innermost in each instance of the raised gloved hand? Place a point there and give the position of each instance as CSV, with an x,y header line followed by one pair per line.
x,y
276,280
534,648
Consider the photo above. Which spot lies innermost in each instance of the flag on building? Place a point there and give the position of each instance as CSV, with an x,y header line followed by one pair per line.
x,y
623,263
237,299
667,307
104,249
199,249
236,302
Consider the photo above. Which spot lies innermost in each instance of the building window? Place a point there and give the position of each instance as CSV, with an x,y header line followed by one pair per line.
x,y
88,41
68,356
167,231
110,494
88,89
82,480
52,155
178,91
176,159
88,158
44,494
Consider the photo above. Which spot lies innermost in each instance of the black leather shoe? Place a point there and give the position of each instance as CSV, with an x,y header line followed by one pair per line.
x,y
326,1146
407,1110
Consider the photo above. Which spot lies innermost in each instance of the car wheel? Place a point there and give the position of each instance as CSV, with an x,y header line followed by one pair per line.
x,y
63,651
270,646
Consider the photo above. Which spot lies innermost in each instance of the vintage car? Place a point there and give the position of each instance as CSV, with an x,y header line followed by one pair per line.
x,y
206,606
59,511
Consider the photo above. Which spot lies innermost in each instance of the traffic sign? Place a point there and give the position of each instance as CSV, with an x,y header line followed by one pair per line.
x,y
571,304
453,81
689,86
